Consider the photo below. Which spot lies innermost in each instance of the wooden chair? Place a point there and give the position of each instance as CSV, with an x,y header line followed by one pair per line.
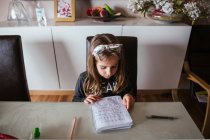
x,y
197,67
195,78
13,83
130,52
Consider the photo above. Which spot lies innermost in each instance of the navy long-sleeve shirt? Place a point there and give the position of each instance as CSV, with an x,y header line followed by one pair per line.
x,y
107,88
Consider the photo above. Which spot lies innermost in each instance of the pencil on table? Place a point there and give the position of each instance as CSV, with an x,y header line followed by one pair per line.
x,y
72,128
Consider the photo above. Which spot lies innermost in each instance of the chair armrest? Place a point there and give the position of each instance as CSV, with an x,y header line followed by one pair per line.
x,y
195,78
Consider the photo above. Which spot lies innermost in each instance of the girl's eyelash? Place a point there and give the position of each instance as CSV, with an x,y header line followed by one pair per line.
x,y
102,67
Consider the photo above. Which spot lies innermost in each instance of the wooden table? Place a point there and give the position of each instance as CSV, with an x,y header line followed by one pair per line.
x,y
54,120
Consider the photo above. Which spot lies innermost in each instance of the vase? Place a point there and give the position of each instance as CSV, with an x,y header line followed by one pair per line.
x,y
164,18
17,12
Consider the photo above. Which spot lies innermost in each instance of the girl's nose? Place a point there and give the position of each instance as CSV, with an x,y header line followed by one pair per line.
x,y
108,72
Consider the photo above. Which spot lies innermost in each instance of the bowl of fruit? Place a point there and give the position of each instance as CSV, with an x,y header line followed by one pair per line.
x,y
103,14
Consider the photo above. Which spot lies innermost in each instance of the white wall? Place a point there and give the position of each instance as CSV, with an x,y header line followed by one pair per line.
x,y
81,7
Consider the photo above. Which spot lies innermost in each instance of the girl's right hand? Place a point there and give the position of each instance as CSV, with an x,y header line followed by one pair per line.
x,y
91,99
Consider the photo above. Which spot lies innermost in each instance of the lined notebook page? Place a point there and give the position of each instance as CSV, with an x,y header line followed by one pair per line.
x,y
109,113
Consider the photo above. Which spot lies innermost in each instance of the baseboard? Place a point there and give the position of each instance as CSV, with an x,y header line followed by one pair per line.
x,y
52,92
154,91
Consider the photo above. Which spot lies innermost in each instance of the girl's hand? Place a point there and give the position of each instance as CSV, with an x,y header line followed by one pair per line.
x,y
128,101
91,99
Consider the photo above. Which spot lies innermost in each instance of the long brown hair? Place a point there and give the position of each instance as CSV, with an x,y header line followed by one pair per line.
x,y
92,83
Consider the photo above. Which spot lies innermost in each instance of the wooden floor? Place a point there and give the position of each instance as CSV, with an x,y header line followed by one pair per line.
x,y
196,110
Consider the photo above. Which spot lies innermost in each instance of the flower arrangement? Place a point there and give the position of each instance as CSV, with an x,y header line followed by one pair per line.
x,y
168,7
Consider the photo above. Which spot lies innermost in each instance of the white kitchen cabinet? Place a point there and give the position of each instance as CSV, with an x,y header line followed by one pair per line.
x,y
161,53
70,50
55,55
38,54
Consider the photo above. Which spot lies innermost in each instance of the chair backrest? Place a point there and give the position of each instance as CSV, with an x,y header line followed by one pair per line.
x,y
13,83
130,47
199,51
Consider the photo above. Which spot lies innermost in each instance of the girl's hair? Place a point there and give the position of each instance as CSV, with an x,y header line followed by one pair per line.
x,y
92,83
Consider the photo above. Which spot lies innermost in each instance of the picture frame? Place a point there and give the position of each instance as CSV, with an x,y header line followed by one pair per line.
x,y
64,10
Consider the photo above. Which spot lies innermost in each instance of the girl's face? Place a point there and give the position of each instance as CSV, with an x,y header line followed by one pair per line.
x,y
108,67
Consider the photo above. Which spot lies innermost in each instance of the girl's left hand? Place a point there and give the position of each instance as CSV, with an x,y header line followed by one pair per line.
x,y
128,101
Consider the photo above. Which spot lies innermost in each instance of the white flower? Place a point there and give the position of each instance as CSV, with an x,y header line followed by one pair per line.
x,y
134,6
137,5
192,10
159,3
168,8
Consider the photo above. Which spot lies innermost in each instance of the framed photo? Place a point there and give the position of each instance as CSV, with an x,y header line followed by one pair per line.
x,y
64,10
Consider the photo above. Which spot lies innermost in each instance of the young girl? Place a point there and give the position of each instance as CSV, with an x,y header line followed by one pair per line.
x,y
105,75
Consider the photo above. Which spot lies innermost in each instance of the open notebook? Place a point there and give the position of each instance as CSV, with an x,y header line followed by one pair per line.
x,y
110,114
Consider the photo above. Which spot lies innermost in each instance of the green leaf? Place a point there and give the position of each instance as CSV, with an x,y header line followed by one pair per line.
x,y
179,2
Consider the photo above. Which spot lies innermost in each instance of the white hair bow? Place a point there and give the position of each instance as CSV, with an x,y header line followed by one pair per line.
x,y
100,48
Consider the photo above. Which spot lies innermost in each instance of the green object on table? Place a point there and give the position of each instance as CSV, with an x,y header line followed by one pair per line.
x,y
36,133
108,9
